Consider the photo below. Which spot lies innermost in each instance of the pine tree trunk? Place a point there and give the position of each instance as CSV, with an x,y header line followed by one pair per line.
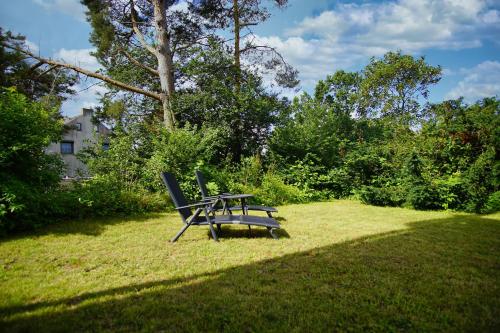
x,y
165,63
237,146
237,64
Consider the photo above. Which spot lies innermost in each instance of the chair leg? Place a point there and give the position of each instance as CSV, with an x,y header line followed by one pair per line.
x,y
219,229
269,214
212,230
250,231
179,234
271,231
210,225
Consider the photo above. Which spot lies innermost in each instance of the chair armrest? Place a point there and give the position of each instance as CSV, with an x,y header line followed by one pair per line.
x,y
212,197
235,196
205,203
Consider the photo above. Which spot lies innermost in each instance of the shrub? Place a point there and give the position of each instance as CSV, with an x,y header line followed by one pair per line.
x,y
425,196
273,191
180,152
479,180
493,203
382,196
27,174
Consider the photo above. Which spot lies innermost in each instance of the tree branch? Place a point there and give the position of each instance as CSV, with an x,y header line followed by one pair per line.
x,y
268,48
48,70
246,24
38,64
138,63
138,32
87,73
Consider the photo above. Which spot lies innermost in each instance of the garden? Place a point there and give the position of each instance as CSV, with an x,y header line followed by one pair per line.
x,y
389,203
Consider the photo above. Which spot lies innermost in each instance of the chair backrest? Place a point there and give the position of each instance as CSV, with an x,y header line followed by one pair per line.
x,y
176,194
200,178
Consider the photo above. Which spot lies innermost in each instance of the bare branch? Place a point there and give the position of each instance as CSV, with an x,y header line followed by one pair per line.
x,y
38,64
83,71
48,70
246,24
138,63
268,48
138,32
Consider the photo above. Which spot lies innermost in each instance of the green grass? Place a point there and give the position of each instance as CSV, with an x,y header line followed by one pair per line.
x,y
340,266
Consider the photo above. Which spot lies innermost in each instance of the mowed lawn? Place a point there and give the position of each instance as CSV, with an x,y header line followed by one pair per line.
x,y
338,266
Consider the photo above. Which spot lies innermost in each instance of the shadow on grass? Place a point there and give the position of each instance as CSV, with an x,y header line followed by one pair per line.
x,y
436,275
243,232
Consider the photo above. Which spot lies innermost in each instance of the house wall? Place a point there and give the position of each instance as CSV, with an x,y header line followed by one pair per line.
x,y
81,139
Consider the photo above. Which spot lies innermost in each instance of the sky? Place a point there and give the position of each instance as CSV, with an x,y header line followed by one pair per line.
x,y
317,37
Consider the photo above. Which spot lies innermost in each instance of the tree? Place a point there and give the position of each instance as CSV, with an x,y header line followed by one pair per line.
x,y
133,27
339,91
240,16
392,86
211,100
30,78
250,60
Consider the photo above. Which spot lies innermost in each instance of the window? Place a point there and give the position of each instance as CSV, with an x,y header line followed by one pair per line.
x,y
105,146
78,126
67,147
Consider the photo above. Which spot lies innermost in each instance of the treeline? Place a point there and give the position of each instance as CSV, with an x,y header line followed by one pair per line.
x,y
368,135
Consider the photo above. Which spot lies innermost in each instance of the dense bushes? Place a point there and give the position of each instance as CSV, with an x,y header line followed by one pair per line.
x,y
30,190
448,161
27,174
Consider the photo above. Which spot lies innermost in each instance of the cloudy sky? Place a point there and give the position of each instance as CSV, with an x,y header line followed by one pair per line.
x,y
318,37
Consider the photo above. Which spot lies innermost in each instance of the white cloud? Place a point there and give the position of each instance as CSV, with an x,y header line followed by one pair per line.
x,y
70,7
480,81
33,47
351,33
181,6
88,90
86,97
79,57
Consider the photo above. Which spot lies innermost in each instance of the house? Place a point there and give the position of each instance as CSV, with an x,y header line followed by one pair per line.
x,y
82,132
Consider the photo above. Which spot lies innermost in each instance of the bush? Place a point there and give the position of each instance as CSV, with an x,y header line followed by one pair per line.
x,y
180,152
27,174
273,191
493,203
382,196
425,197
479,181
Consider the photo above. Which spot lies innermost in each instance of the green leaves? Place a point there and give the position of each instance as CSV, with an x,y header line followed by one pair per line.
x,y
392,86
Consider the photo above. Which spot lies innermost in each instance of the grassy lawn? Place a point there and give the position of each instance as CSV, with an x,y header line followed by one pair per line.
x,y
340,266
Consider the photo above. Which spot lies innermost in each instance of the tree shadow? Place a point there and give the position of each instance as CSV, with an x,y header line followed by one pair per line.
x,y
437,275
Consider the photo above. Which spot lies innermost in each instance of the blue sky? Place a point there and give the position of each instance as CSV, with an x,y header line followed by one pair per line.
x,y
317,37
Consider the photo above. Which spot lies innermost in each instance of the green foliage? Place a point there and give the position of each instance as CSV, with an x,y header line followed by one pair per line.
x,y
26,172
382,196
392,85
242,116
493,203
35,82
395,153
272,191
181,152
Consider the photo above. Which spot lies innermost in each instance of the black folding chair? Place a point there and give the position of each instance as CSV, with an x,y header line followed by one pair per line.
x,y
225,197
189,218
